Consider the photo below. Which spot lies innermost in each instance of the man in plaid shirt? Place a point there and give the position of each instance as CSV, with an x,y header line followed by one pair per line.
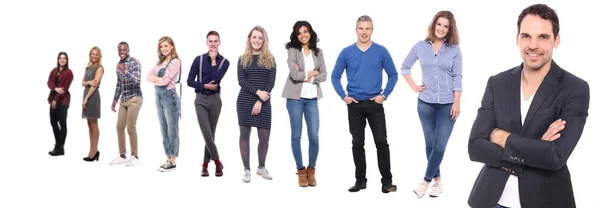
x,y
129,93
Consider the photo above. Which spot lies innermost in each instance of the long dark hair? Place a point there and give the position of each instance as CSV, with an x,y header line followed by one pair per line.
x,y
295,43
57,69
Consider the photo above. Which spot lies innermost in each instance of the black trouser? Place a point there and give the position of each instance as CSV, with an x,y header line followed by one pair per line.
x,y
58,120
358,115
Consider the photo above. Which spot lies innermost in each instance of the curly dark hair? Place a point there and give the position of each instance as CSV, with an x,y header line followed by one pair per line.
x,y
295,43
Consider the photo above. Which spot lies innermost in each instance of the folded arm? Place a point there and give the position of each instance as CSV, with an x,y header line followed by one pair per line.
x,y
97,77
322,77
50,82
553,155
170,74
65,84
480,148
292,62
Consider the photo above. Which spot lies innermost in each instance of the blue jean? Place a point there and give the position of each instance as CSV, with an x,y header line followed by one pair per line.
x,y
310,109
167,107
437,127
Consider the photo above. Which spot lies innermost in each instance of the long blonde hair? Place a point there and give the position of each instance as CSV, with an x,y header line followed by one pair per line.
x,y
99,63
161,57
265,58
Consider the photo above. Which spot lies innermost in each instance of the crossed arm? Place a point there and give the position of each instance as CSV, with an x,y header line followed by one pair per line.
x,y
499,148
304,76
62,87
93,83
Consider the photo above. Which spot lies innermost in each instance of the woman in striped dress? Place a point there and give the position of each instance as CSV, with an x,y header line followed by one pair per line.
x,y
256,77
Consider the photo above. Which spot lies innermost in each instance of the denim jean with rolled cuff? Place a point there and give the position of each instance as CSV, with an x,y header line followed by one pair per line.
x,y
167,107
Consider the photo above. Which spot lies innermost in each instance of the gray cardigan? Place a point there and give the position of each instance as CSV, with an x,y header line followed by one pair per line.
x,y
293,84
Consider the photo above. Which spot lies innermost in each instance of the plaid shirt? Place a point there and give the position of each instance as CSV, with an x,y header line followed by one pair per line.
x,y
128,83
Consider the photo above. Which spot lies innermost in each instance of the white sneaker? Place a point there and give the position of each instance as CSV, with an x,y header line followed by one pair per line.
x,y
264,173
421,189
132,161
247,176
117,161
436,189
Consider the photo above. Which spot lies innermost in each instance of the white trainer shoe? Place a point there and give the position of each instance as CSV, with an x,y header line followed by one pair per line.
x,y
247,176
264,173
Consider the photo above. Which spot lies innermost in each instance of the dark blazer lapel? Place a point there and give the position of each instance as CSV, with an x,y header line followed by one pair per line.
x,y
514,95
548,85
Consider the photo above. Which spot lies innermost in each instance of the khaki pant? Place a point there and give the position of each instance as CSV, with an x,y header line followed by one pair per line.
x,y
127,117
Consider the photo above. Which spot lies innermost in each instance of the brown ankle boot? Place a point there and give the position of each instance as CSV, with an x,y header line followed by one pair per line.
x,y
302,177
312,181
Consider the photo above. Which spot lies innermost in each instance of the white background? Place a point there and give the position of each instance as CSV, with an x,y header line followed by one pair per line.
x,y
34,32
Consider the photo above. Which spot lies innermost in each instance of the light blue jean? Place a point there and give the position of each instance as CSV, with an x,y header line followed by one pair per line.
x,y
167,107
310,109
437,126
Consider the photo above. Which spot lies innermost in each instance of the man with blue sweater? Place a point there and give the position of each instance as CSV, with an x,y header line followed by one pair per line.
x,y
364,63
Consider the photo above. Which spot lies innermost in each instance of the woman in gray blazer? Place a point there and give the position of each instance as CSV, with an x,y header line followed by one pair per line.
x,y
302,90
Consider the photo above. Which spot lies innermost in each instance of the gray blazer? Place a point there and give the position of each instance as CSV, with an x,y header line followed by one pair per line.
x,y
293,84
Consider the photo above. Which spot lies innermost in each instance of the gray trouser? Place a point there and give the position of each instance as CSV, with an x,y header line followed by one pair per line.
x,y
208,109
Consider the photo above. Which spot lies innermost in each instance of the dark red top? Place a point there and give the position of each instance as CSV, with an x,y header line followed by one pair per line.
x,y
65,77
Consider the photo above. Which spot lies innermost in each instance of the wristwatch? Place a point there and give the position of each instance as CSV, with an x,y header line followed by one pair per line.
x,y
384,97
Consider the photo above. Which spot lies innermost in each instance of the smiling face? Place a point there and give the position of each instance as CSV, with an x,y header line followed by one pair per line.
x,y
441,28
62,60
213,42
123,51
94,56
165,48
364,29
256,40
304,35
536,42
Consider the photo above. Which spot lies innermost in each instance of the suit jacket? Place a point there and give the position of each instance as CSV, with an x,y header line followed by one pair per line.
x,y
295,80
544,178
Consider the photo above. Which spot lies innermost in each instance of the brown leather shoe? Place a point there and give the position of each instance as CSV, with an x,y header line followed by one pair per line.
x,y
302,177
312,181
204,171
219,170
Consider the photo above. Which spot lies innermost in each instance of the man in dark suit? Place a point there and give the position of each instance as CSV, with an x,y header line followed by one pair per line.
x,y
530,120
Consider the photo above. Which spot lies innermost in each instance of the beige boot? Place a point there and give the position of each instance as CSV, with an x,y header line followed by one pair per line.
x,y
302,177
312,181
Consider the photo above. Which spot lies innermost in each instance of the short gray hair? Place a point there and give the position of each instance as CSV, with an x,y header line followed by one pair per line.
x,y
364,18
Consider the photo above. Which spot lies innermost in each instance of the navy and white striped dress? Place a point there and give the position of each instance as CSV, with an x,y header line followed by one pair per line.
x,y
251,79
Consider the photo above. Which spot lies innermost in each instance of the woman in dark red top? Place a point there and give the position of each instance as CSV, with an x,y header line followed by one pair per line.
x,y
59,99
